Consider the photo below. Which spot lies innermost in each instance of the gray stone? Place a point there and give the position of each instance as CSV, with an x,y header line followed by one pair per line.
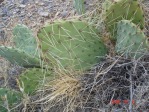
x,y
64,14
44,13
15,70
22,6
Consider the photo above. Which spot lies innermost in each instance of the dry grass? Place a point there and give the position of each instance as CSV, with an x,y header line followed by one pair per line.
x,y
66,86
61,91
113,78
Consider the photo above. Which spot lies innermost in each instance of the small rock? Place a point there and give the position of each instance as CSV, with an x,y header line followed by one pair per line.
x,y
36,2
44,14
41,4
64,14
4,11
16,11
22,6
15,70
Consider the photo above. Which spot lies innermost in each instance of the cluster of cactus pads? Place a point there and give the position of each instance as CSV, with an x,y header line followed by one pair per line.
x,y
124,19
25,53
123,9
73,44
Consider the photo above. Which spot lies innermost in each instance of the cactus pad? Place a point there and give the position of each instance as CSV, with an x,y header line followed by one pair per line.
x,y
72,44
24,40
123,9
31,79
131,41
8,98
16,56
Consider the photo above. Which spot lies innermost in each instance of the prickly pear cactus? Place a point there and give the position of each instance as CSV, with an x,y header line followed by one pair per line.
x,y
72,44
24,40
32,79
9,99
123,9
131,41
16,56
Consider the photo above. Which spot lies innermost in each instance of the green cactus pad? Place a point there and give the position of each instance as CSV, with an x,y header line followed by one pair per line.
x,y
31,79
131,41
9,98
124,9
24,40
72,44
16,56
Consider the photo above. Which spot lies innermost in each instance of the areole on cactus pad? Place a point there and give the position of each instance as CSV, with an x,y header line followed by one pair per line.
x,y
72,44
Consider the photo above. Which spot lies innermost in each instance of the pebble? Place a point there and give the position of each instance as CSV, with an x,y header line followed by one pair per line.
x,y
44,14
15,70
22,6
4,11
41,4
64,14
